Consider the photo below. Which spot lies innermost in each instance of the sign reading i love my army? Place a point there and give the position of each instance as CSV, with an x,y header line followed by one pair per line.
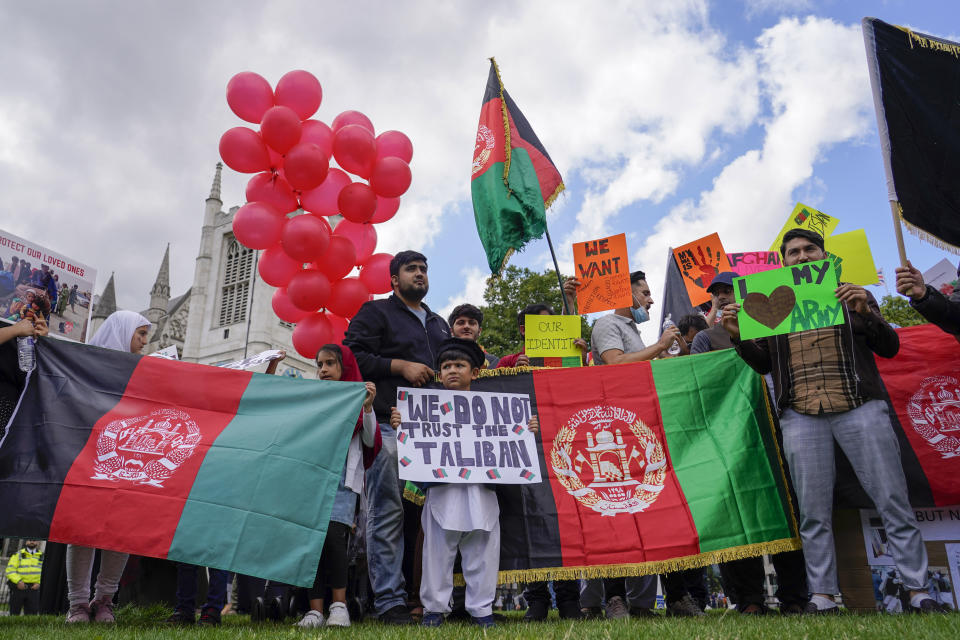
x,y
788,300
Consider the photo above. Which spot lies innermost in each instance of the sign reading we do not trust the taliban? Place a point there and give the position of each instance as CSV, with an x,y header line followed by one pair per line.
x,y
466,437
788,300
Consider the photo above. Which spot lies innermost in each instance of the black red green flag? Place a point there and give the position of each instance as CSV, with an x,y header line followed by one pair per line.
x,y
514,180
916,88
198,464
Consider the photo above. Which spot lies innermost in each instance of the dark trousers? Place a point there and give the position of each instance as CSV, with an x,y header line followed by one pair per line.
x,y
565,590
679,583
27,600
332,570
745,578
187,588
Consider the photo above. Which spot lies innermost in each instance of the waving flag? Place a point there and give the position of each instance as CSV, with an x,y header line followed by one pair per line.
x,y
513,180
175,460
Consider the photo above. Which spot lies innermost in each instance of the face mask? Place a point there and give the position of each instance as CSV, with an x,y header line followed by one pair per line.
x,y
639,315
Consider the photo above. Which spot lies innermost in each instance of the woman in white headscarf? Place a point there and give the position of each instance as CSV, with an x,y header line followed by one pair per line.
x,y
123,331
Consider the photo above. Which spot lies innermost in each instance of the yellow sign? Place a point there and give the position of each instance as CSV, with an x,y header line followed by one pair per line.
x,y
806,217
851,257
551,336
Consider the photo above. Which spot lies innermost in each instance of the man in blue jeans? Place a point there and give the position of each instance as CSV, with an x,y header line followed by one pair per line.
x,y
828,391
395,342
185,611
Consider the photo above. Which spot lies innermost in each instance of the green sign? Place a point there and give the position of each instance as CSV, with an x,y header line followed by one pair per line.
x,y
788,300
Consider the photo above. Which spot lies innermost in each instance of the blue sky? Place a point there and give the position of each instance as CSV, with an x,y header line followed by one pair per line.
x,y
668,120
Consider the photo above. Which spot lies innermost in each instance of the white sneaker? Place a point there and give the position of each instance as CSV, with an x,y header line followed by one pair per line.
x,y
338,616
311,619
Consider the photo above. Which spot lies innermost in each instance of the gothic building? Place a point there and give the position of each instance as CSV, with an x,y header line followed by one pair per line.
x,y
226,313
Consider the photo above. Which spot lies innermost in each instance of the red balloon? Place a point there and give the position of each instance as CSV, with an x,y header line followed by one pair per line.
x,y
243,150
257,225
322,201
355,149
375,273
276,267
394,144
305,166
249,96
363,237
305,237
357,202
390,177
284,308
299,90
311,333
274,190
346,297
276,160
386,209
352,117
338,327
319,134
309,289
280,128
339,258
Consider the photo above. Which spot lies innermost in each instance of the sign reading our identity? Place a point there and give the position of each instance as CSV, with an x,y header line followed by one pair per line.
x,y
466,437
553,338
788,300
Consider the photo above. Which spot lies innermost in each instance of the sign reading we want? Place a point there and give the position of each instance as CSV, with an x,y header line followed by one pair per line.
x,y
466,437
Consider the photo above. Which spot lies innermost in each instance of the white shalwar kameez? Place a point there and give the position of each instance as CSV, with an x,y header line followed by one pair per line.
x,y
464,516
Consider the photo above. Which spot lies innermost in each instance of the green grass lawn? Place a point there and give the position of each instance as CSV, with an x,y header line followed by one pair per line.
x,y
144,623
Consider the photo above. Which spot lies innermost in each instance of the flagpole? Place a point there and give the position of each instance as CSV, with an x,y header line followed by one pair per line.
x,y
556,267
898,231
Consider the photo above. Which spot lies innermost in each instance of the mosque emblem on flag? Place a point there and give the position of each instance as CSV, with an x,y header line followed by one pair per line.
x,y
145,449
609,460
483,148
934,411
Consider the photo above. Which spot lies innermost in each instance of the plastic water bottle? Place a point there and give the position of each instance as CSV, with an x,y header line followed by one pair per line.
x,y
26,357
675,347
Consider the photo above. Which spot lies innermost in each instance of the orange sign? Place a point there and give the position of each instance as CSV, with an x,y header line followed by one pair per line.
x,y
603,273
699,261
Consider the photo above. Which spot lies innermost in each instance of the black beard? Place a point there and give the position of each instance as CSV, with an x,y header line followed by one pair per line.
x,y
412,293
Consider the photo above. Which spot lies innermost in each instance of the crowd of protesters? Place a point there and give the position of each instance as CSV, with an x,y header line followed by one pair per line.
x,y
825,387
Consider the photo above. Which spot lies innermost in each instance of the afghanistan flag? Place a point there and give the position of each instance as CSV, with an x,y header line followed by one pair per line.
x,y
916,87
174,460
513,181
649,467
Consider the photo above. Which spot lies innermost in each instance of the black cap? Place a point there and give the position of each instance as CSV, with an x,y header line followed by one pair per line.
x,y
469,347
724,277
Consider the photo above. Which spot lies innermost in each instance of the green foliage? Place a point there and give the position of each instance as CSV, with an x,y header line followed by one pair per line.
x,y
505,296
897,310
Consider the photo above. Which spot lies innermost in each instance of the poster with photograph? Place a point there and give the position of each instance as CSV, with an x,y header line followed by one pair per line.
x,y
35,281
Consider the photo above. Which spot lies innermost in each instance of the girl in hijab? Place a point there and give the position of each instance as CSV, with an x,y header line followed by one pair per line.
x,y
338,363
123,331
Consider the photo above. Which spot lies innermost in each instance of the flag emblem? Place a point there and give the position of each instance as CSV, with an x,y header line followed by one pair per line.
x,y
464,473
405,461
493,474
518,430
802,216
439,473
446,408
933,412
402,395
526,474
402,436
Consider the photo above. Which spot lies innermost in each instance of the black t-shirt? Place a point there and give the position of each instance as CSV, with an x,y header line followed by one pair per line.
x,y
11,382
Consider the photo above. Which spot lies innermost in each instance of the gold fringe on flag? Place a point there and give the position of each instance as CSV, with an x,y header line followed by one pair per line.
x,y
506,133
926,236
776,446
928,42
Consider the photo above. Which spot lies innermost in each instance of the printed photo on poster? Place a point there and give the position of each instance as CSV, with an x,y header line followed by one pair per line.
x,y
35,281
892,597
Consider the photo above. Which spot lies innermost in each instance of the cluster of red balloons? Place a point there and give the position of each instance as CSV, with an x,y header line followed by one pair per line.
x,y
303,256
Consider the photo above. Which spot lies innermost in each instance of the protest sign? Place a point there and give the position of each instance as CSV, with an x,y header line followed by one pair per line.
x,y
37,281
167,353
745,263
699,261
552,337
603,273
254,360
852,260
788,300
805,217
464,437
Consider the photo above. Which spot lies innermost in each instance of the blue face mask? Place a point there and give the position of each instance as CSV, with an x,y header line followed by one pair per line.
x,y
639,315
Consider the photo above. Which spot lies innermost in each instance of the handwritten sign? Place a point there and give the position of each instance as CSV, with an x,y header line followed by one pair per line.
x,y
603,273
745,263
805,217
552,337
788,300
699,261
850,253
466,437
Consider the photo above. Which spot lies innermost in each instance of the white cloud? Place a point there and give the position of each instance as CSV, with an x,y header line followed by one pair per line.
x,y
474,284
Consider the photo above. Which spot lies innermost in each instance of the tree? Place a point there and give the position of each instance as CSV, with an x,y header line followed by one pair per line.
x,y
511,292
897,310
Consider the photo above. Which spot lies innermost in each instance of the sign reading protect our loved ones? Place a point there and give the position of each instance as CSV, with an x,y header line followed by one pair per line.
x,y
466,437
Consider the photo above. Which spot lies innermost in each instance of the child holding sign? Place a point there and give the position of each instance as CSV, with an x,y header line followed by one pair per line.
x,y
459,516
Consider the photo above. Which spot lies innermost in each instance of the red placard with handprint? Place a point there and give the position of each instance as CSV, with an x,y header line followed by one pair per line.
x,y
699,262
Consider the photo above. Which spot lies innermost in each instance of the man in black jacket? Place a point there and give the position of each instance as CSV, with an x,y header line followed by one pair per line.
x,y
395,341
930,303
828,390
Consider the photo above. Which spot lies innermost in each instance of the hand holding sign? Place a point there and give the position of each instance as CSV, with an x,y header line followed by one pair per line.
x,y
699,262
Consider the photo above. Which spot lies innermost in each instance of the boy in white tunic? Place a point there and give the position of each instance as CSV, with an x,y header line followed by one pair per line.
x,y
459,516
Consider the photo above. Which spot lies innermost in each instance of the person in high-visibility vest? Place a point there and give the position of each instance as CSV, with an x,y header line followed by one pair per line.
x,y
23,578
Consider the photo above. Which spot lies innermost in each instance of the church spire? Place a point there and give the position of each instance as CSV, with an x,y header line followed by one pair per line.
x,y
162,285
215,187
108,300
